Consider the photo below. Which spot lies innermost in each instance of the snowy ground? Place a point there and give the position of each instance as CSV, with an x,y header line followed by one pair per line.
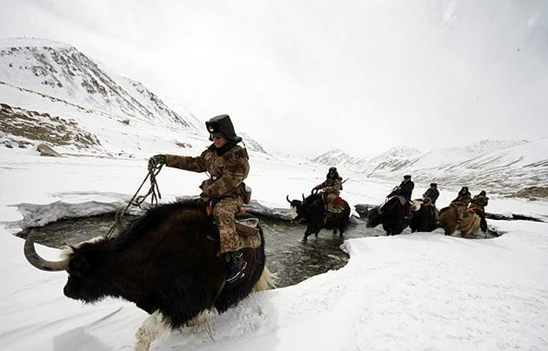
x,y
411,292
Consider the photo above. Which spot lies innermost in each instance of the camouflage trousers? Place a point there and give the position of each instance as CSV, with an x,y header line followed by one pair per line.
x,y
223,213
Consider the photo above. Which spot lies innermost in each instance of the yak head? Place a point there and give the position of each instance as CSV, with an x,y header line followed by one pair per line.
x,y
297,208
374,217
85,282
307,209
416,205
84,264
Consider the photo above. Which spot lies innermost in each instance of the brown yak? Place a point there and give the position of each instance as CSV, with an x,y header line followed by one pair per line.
x,y
468,227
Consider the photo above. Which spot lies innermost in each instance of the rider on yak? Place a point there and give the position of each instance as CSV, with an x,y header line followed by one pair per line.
x,y
478,205
331,189
228,166
429,198
461,202
405,190
431,194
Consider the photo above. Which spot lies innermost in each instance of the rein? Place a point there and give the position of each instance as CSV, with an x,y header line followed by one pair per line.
x,y
137,201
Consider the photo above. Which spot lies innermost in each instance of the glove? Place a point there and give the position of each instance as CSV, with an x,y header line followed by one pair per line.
x,y
156,160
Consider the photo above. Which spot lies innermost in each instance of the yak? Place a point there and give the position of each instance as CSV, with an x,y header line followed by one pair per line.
x,y
468,227
165,262
391,215
423,217
312,211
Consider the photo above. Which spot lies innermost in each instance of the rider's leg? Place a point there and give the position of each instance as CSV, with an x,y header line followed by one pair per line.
x,y
330,206
224,212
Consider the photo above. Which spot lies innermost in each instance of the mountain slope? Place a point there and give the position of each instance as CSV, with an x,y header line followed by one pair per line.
x,y
501,165
61,71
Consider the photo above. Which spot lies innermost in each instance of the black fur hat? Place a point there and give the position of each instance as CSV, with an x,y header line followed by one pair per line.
x,y
407,176
221,126
434,185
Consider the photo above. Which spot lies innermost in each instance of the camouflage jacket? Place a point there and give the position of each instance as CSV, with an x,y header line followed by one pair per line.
x,y
480,200
227,170
331,186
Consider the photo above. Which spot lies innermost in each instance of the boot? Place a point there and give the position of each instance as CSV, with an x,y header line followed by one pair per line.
x,y
236,266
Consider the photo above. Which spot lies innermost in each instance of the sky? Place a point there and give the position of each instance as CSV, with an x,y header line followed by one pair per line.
x,y
304,77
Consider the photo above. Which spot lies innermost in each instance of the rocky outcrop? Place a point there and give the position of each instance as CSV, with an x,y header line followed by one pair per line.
x,y
46,150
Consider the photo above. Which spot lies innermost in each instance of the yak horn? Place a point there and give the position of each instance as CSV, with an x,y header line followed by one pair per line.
x,y
119,222
287,198
304,199
40,263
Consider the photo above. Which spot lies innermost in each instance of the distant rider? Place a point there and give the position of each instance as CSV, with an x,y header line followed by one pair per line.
x,y
431,194
405,189
478,204
331,189
461,202
228,166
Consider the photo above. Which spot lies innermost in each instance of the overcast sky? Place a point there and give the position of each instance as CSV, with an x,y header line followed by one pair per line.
x,y
304,77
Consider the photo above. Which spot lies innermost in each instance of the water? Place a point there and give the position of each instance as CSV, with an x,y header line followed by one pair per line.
x,y
292,260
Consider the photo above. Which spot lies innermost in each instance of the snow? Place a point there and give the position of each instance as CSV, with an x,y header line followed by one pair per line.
x,y
421,291
413,292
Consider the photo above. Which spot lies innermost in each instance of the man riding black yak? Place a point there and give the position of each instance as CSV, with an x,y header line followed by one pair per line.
x,y
331,190
167,261
424,212
228,166
431,194
405,190
325,210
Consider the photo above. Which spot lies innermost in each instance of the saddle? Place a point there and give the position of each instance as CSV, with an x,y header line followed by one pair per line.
x,y
400,198
246,226
339,202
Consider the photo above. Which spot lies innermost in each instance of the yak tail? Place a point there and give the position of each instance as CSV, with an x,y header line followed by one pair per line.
x,y
267,281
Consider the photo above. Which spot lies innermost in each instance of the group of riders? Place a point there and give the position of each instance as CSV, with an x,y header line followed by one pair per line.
x,y
463,202
224,191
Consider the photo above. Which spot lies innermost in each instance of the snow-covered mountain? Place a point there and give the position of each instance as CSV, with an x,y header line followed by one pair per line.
x,y
393,159
51,92
502,165
60,71
334,157
251,143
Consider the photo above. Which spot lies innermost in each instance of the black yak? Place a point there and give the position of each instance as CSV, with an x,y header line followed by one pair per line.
x,y
391,215
312,211
165,262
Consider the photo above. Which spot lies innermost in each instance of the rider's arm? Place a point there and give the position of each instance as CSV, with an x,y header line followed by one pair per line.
x,y
235,171
193,164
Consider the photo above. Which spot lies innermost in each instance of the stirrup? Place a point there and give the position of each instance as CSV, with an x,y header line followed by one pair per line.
x,y
236,267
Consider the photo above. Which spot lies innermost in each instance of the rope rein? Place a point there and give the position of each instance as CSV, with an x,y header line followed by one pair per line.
x,y
137,201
